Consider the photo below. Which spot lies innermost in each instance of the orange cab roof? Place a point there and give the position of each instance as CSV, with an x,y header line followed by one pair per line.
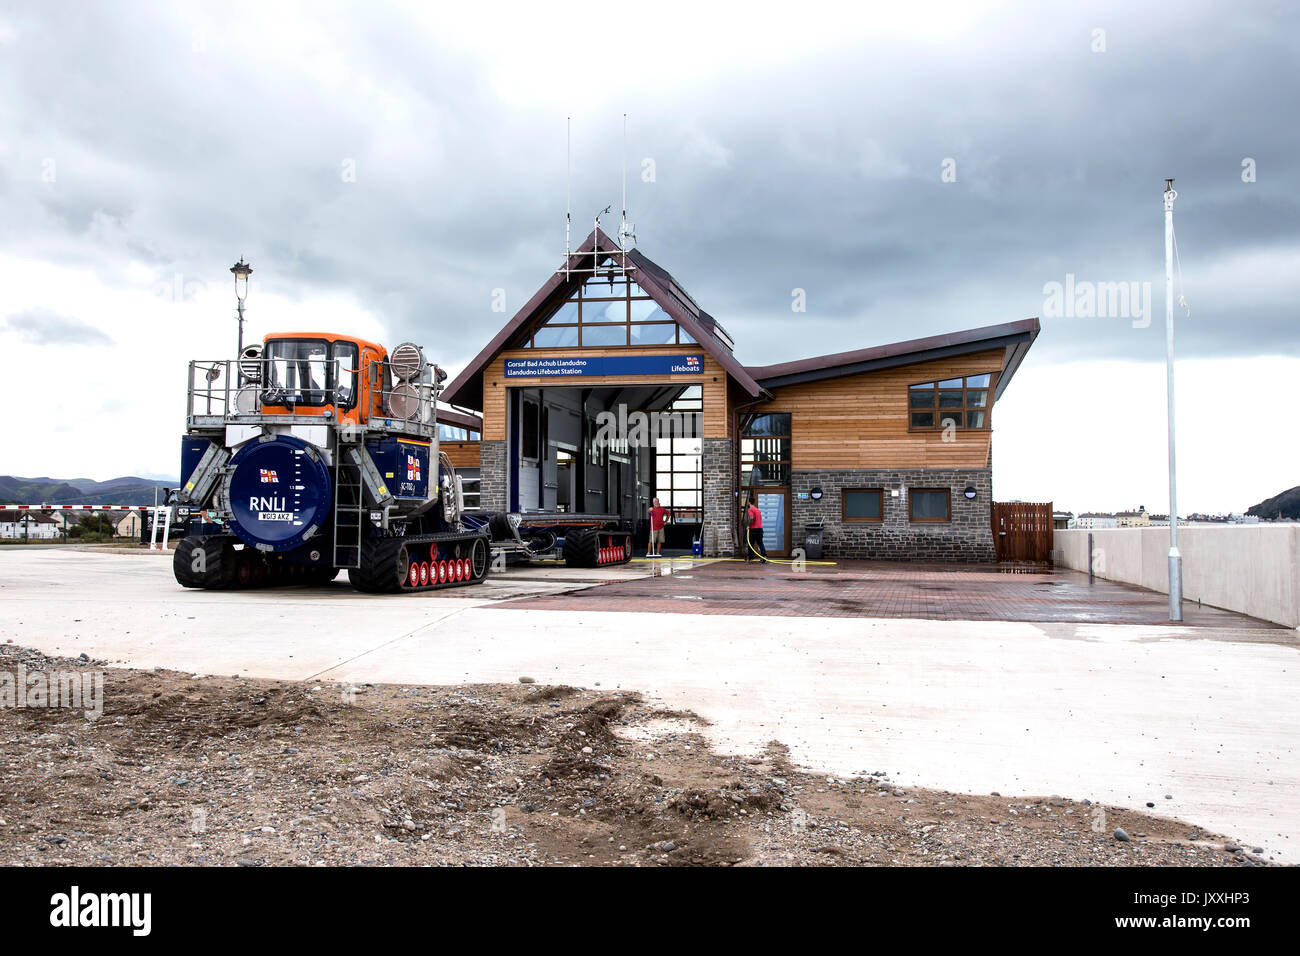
x,y
325,336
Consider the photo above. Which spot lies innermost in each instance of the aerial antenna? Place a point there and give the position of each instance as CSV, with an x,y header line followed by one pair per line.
x,y
624,229
623,223
568,189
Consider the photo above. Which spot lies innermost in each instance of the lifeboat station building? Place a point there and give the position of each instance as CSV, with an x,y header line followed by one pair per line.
x,y
612,387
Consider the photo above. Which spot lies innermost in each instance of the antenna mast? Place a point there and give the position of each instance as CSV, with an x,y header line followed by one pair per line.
x,y
568,189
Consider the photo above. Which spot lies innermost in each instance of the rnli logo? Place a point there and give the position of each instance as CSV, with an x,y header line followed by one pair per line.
x,y
412,468
268,476
692,360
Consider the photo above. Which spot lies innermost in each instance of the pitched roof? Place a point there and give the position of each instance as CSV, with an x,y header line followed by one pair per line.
x,y
464,419
1015,337
467,388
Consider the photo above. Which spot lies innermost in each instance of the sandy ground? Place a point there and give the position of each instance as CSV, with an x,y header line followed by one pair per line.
x,y
197,770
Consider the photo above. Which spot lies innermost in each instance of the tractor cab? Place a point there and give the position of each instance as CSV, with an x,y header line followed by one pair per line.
x,y
317,373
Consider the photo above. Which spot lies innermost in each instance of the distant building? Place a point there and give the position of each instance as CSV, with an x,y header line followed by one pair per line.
x,y
1243,519
1133,519
1062,519
27,525
1090,520
128,526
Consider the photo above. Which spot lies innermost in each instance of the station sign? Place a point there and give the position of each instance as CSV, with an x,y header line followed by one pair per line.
x,y
587,366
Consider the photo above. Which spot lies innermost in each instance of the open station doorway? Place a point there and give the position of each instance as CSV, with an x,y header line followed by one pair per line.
x,y
609,450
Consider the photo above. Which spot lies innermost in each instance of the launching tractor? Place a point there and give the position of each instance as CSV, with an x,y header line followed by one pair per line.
x,y
312,453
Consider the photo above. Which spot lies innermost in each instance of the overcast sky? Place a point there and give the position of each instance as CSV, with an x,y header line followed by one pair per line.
x,y
913,168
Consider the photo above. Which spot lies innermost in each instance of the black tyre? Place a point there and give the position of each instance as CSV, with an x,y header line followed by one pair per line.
x,y
480,556
384,566
581,548
499,526
204,562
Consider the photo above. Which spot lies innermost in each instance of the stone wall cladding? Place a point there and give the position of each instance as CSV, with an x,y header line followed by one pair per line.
x,y
492,475
718,463
967,538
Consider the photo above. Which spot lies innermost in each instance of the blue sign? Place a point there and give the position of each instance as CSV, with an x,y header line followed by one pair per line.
x,y
585,366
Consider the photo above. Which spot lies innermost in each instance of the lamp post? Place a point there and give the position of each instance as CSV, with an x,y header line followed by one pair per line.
x,y
242,271
1175,557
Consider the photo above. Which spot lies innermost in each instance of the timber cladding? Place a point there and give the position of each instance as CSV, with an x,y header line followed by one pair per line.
x,y
463,454
495,383
861,420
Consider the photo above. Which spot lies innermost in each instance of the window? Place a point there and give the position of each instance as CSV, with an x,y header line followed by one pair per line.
x,y
296,371
345,365
608,309
531,442
961,402
863,504
679,475
456,433
928,504
765,450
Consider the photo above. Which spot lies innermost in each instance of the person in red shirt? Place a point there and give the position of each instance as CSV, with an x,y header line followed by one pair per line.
x,y
658,516
754,534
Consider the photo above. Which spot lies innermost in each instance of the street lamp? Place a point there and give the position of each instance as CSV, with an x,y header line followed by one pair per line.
x,y
242,271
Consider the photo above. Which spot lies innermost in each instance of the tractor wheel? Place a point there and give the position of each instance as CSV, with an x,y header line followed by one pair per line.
x,y
582,548
479,558
204,562
384,566
499,527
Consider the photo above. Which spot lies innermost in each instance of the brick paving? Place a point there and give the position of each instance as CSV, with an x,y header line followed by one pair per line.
x,y
885,589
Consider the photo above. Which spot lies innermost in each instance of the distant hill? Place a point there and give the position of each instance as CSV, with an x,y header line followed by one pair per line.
x,y
1287,504
76,491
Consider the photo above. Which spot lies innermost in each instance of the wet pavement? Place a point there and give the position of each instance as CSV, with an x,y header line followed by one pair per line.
x,y
879,589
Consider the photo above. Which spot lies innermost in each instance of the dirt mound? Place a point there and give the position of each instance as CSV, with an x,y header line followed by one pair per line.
x,y
192,770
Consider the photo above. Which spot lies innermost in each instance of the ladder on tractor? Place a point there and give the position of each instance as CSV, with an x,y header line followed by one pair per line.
x,y
349,511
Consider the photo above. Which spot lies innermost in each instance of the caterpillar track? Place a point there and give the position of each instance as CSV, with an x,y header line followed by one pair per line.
x,y
211,562
590,548
425,562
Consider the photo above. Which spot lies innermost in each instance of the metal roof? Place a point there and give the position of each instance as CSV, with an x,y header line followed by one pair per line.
x,y
1014,337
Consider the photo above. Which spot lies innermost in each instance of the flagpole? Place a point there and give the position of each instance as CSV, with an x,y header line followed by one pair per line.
x,y
1175,557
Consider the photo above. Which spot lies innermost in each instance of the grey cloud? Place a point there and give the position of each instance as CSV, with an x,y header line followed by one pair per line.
x,y
821,174
46,327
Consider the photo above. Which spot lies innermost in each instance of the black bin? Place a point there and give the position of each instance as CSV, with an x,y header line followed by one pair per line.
x,y
812,542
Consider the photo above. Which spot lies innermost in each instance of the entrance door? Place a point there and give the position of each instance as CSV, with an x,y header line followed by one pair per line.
x,y
564,481
1022,531
774,504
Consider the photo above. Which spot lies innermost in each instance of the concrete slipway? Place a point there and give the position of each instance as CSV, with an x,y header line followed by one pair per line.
x,y
1120,714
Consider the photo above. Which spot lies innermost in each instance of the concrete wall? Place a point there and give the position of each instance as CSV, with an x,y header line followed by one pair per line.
x,y
1251,569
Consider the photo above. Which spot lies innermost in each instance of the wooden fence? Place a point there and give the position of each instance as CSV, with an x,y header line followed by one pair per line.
x,y
1022,531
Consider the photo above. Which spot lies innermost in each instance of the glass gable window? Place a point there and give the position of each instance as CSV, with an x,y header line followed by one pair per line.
x,y
608,309
953,402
